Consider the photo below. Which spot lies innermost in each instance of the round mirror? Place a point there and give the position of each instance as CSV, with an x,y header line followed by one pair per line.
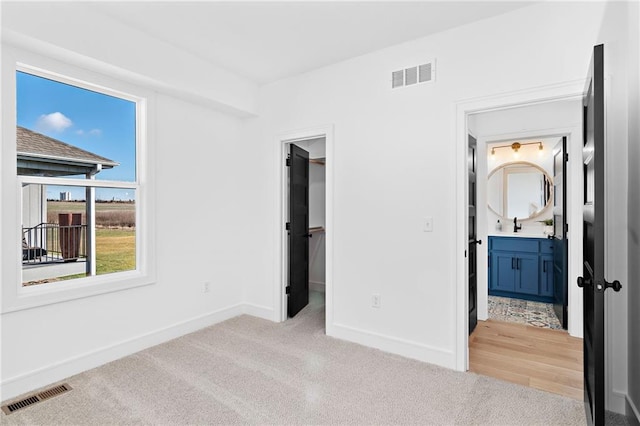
x,y
519,189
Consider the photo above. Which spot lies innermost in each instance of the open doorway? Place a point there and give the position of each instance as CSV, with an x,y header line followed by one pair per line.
x,y
520,336
305,223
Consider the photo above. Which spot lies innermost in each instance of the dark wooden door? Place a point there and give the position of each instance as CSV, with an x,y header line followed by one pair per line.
x,y
593,280
298,289
560,242
473,255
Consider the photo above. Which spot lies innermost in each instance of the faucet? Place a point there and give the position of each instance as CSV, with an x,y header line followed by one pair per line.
x,y
515,225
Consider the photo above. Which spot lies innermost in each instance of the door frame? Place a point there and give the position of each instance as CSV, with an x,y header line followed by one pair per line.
x,y
282,143
571,90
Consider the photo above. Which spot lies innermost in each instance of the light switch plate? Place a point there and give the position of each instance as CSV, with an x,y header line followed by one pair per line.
x,y
428,224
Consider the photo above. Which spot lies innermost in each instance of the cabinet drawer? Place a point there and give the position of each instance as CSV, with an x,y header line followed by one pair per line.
x,y
546,246
515,244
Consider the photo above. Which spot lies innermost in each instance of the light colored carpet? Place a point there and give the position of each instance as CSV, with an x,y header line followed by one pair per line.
x,y
251,371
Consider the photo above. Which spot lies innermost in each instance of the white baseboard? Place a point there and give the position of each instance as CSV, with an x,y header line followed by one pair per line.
x,y
617,401
263,312
403,347
634,410
317,286
52,373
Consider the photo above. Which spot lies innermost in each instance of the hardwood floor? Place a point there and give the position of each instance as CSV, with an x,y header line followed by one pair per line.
x,y
540,358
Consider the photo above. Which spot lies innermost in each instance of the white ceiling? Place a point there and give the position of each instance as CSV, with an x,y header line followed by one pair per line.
x,y
267,41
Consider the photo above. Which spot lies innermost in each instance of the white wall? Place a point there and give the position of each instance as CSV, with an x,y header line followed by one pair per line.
x,y
34,210
203,225
317,246
395,164
128,51
614,33
633,286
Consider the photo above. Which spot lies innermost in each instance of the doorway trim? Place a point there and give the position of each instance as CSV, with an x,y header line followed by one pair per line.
x,y
283,140
569,90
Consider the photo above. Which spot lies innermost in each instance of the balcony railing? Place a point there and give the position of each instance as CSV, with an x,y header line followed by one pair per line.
x,y
52,243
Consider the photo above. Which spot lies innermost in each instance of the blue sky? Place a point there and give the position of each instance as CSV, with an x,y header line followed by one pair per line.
x,y
95,122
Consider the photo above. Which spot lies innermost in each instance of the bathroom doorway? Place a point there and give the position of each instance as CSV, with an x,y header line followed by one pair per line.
x,y
520,337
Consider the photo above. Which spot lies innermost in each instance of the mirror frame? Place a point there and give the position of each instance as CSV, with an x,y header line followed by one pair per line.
x,y
523,163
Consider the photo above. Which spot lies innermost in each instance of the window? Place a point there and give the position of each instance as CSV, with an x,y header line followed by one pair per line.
x,y
82,226
67,135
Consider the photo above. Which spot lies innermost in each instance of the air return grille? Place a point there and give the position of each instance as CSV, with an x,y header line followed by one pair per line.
x,y
424,73
34,399
397,79
410,76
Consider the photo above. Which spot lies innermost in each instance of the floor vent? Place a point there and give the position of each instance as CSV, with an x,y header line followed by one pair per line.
x,y
34,399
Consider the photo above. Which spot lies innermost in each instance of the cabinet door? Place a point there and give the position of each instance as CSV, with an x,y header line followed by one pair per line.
x,y
546,275
527,275
503,271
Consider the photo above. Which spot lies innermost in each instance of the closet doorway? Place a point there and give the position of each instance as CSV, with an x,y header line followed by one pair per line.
x,y
305,280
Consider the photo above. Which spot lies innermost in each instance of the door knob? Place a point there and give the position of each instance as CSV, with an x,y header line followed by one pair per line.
x,y
615,285
479,242
583,281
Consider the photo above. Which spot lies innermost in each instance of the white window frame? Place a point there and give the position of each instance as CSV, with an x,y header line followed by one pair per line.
x,y
74,72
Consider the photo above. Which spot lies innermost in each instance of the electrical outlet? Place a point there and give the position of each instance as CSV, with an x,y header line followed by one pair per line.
x,y
206,287
375,300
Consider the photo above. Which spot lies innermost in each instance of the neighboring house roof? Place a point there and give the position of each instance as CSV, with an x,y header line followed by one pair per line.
x,y
45,156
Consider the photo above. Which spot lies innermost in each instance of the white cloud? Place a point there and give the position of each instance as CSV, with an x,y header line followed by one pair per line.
x,y
92,132
56,121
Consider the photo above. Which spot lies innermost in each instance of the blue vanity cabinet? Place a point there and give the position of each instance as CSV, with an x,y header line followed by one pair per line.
x,y
503,276
546,275
527,276
521,268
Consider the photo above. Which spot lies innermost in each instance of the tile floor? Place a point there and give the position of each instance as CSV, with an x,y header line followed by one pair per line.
x,y
537,314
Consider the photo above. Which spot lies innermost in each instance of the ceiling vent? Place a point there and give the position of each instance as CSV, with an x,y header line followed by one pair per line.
x,y
424,73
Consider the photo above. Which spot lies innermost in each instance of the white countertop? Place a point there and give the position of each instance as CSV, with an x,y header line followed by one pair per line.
x,y
525,233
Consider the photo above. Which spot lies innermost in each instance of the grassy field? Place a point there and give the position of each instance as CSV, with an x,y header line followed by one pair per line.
x,y
79,206
115,250
107,214
115,235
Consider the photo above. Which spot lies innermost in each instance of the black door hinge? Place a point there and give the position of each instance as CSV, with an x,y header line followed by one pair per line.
x,y
566,227
465,253
287,226
288,162
566,156
287,289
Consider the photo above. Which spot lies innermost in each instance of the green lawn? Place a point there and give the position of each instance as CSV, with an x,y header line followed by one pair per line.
x,y
115,250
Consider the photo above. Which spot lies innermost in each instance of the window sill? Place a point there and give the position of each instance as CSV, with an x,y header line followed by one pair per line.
x,y
59,292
